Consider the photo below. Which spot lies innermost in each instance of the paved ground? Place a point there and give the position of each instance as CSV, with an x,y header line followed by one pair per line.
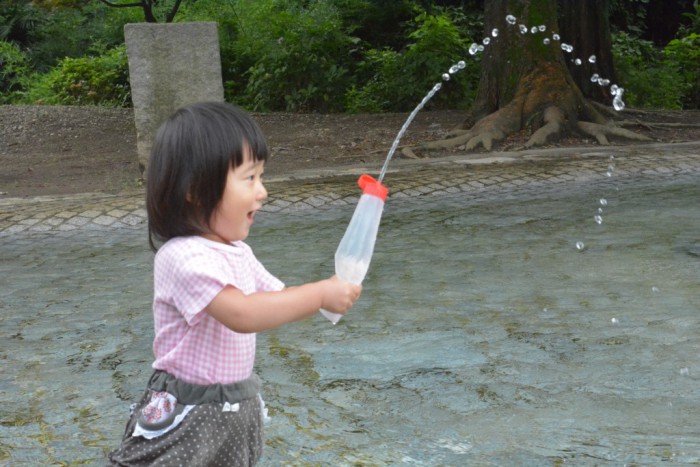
x,y
474,175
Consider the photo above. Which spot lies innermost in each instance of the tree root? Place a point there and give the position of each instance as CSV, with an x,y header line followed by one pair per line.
x,y
554,122
496,126
601,132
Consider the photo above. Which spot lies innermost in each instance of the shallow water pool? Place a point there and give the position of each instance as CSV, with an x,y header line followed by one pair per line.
x,y
484,336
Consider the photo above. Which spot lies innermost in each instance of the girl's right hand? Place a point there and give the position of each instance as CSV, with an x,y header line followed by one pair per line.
x,y
339,295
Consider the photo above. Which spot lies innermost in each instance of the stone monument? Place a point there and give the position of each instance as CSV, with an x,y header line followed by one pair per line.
x,y
170,65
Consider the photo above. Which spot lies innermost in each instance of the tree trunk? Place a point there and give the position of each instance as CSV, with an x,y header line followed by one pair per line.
x,y
525,84
586,26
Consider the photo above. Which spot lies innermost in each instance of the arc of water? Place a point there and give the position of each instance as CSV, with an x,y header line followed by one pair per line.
x,y
405,126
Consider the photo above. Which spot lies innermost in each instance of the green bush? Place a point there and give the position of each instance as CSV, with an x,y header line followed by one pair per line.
x,y
685,53
397,81
295,57
98,80
14,69
650,79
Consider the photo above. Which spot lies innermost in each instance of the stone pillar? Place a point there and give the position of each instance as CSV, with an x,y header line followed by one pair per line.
x,y
170,65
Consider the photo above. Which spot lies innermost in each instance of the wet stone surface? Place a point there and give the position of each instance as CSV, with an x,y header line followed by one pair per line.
x,y
480,316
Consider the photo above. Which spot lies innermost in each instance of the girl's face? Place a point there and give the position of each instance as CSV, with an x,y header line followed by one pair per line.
x,y
243,197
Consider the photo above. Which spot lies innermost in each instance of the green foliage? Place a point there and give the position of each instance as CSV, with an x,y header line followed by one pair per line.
x,y
649,78
296,56
18,20
14,67
72,32
694,18
628,16
685,54
399,80
313,55
93,80
379,23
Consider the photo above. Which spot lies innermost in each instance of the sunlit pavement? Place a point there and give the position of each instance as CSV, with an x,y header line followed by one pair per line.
x,y
474,175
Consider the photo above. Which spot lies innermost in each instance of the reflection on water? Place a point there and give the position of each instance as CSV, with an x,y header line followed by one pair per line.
x,y
484,335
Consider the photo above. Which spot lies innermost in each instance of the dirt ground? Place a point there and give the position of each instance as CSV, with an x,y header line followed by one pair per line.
x,y
53,150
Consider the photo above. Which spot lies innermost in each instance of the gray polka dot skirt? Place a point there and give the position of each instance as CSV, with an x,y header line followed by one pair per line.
x,y
211,433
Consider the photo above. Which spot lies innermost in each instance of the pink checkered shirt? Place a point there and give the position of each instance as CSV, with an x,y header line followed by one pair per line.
x,y
189,344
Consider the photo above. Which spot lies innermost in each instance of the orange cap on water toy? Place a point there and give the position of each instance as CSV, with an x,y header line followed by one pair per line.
x,y
370,186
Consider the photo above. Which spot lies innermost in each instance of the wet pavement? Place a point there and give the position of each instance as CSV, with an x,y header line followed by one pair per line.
x,y
64,349
472,174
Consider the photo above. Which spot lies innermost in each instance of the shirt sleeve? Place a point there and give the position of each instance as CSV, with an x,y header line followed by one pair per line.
x,y
195,274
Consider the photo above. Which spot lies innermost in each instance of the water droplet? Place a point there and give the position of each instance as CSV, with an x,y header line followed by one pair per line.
x,y
480,48
555,37
494,32
523,29
592,59
542,28
577,61
603,202
510,19
615,321
473,49
600,210
437,87
598,219
685,371
611,167
655,289
595,77
580,246
486,41
454,69
618,104
461,64
445,76
533,29
603,82
546,41
608,174
613,89
566,47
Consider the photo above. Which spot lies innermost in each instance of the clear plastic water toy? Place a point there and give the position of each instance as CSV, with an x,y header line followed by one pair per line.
x,y
355,250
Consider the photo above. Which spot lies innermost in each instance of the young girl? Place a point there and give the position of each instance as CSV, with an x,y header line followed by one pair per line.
x,y
211,295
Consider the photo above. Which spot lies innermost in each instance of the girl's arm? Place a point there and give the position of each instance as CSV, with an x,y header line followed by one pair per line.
x,y
266,310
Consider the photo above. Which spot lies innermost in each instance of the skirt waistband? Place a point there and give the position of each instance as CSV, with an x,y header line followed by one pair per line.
x,y
194,394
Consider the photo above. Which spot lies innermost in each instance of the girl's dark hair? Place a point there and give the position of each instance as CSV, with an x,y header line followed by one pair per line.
x,y
192,154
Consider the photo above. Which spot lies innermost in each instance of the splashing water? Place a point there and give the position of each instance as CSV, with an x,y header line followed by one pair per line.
x,y
618,104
